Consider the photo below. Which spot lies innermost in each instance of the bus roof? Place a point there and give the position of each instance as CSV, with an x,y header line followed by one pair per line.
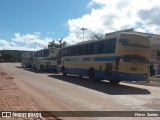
x,y
109,36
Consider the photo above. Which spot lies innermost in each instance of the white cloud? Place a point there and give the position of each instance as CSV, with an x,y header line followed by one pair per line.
x,y
49,33
13,46
116,15
32,39
4,42
9,47
25,42
13,43
37,33
110,15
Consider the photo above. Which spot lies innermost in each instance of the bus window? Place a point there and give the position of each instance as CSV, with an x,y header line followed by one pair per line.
x,y
47,52
84,49
95,48
106,47
100,47
73,51
89,48
76,50
112,45
65,51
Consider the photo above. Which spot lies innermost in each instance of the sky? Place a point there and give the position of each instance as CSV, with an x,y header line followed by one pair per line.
x,y
31,24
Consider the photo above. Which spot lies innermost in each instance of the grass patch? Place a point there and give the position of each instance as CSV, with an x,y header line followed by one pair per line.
x,y
154,78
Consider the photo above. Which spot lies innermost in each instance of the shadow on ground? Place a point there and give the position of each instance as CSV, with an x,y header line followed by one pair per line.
x,y
104,87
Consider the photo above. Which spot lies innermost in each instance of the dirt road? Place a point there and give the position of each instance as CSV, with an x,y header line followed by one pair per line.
x,y
54,92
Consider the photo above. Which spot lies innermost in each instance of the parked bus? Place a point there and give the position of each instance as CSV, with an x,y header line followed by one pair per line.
x,y
45,59
27,59
119,56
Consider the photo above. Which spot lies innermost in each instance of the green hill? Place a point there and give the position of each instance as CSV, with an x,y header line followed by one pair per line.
x,y
11,55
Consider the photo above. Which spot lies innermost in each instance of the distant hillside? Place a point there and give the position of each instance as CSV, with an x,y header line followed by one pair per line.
x,y
11,55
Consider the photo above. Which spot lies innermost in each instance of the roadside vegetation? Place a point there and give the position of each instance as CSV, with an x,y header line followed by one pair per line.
x,y
155,78
10,55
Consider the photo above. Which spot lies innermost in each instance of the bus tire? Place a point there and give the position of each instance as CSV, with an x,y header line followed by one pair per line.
x,y
91,75
63,71
114,82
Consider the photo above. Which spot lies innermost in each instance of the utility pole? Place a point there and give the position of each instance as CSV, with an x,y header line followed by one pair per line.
x,y
83,31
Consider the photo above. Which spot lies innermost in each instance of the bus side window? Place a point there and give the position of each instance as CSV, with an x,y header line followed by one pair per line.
x,y
112,45
47,53
66,51
95,48
100,47
89,48
106,47
42,53
73,51
84,49
79,48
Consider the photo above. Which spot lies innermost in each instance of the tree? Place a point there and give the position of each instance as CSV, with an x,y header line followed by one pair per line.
x,y
53,44
8,57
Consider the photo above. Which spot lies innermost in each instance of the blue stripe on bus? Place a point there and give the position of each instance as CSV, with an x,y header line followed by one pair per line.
x,y
78,59
105,58
126,43
87,59
115,75
129,76
109,58
51,58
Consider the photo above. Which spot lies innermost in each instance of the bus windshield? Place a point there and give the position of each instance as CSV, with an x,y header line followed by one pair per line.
x,y
134,58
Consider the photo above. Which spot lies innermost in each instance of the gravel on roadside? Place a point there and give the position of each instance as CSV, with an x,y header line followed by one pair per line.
x,y
13,99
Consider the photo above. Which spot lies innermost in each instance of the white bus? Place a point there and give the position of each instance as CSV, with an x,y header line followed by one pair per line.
x,y
45,59
120,56
27,59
